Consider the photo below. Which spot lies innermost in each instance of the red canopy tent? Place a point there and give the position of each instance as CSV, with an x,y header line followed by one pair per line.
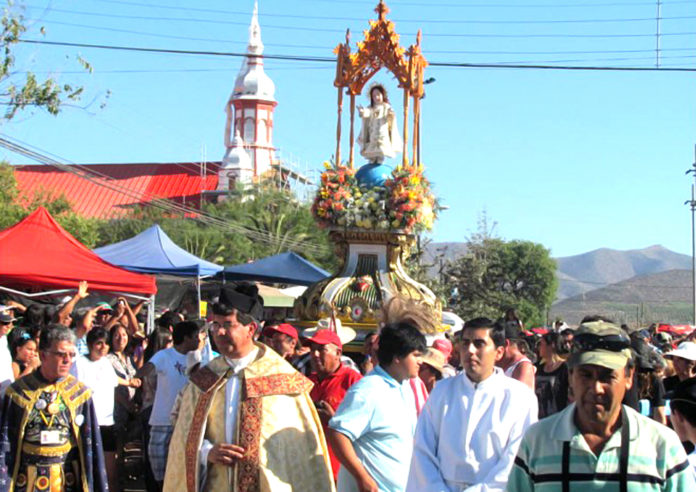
x,y
38,252
675,329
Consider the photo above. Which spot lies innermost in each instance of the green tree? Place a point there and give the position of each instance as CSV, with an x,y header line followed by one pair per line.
x,y
17,93
14,206
495,275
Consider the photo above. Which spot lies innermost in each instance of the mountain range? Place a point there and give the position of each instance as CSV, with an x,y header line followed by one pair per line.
x,y
637,286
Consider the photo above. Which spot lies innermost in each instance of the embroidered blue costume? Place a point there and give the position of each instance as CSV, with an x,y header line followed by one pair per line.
x,y
49,438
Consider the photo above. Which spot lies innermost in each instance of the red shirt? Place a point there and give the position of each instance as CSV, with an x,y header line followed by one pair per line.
x,y
332,389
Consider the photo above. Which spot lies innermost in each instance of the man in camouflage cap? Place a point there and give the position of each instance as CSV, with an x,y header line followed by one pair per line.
x,y
597,443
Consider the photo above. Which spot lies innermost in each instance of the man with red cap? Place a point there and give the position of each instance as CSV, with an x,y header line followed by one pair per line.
x,y
282,338
445,346
331,379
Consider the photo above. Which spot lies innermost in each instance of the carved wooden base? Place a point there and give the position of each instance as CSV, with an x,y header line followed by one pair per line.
x,y
371,272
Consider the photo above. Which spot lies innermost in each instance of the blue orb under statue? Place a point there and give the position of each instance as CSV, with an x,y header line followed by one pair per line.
x,y
371,175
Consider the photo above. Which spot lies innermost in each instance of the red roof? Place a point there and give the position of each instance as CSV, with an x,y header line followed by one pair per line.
x,y
180,182
38,253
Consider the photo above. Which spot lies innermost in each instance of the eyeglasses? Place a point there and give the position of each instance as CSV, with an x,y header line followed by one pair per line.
x,y
588,342
63,355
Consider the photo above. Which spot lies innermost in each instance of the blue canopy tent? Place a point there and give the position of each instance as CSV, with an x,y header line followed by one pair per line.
x,y
284,268
152,251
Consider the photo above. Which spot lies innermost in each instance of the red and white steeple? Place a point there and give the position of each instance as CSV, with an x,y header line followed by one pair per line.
x,y
250,108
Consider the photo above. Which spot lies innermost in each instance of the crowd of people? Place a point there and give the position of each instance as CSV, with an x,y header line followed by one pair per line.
x,y
236,403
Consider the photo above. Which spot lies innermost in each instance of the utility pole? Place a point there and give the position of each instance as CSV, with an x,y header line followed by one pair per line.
x,y
692,204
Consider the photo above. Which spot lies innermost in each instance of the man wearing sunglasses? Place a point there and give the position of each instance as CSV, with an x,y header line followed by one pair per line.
x,y
597,443
49,436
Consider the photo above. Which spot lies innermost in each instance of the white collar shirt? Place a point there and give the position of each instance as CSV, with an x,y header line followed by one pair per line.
x,y
232,391
468,434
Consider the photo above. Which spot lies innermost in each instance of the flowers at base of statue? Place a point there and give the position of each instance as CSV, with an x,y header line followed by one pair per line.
x,y
404,203
335,195
411,205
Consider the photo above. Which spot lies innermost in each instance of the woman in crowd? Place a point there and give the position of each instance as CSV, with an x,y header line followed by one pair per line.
x,y
647,385
95,370
512,318
25,358
122,363
430,371
551,381
125,408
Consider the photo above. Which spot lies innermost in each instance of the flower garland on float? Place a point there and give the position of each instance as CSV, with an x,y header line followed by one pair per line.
x,y
404,203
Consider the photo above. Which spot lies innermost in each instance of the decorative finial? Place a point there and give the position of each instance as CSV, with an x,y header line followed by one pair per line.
x,y
255,46
382,10
418,37
347,36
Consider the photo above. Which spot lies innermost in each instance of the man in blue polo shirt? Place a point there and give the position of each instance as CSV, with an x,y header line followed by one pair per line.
x,y
372,431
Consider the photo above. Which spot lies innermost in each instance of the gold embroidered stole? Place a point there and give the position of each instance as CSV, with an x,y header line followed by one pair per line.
x,y
215,432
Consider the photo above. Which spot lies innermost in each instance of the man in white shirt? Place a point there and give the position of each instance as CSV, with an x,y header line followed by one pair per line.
x,y
6,374
246,421
471,427
167,371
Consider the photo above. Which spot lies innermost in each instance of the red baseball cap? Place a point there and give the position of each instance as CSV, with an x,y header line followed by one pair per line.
x,y
322,337
284,328
443,345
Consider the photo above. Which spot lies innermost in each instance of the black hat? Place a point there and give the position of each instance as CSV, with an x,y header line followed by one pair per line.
x,y
684,391
244,297
645,360
513,331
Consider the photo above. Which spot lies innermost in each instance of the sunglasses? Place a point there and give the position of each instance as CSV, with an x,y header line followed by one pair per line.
x,y
588,342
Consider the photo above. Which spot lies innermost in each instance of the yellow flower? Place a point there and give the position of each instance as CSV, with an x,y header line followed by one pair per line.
x,y
327,164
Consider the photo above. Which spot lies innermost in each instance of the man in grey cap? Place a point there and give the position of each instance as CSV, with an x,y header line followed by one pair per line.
x,y
597,443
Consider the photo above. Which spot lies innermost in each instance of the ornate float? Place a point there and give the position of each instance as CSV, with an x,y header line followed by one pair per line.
x,y
375,212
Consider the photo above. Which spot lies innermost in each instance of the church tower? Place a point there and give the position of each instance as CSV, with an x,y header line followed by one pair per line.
x,y
250,110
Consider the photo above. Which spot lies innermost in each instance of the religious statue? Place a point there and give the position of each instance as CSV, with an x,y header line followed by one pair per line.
x,y
379,136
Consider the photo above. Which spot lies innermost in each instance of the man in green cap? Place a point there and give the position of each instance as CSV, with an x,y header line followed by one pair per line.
x,y
597,443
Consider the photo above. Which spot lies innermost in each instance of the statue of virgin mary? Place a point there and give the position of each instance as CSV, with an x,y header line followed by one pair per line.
x,y
379,136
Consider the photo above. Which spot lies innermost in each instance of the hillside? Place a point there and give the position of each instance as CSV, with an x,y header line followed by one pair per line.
x,y
587,271
664,296
601,267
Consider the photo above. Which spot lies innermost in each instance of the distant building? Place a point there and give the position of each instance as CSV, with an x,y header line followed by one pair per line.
x,y
113,189
110,190
249,126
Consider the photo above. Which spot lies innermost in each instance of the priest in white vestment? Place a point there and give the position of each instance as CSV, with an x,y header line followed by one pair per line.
x,y
471,427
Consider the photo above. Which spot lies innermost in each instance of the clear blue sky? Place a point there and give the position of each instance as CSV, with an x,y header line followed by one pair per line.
x,y
575,160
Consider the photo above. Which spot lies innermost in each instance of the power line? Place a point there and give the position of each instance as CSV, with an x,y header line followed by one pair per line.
x,y
104,181
332,60
413,34
358,19
324,48
421,4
